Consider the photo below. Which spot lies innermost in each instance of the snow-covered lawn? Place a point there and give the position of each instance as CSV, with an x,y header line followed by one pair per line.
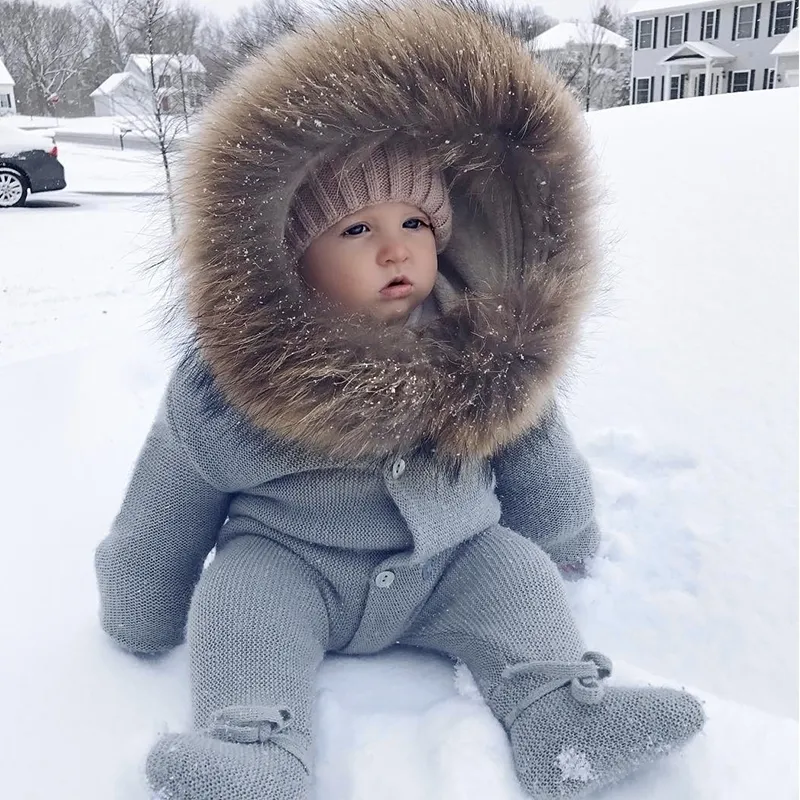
x,y
685,399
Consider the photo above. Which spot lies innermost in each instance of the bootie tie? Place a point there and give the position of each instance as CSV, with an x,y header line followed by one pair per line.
x,y
245,754
571,735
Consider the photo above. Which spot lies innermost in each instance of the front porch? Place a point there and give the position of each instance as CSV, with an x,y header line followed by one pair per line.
x,y
695,69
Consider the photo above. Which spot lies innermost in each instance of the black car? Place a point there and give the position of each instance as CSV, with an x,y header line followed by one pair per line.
x,y
28,164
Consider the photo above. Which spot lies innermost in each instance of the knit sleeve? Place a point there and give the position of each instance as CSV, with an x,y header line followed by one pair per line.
x,y
545,491
148,565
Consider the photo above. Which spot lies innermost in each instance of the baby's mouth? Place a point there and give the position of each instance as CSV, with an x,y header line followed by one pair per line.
x,y
397,288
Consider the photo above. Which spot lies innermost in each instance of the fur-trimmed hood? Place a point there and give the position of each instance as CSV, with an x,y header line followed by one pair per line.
x,y
513,282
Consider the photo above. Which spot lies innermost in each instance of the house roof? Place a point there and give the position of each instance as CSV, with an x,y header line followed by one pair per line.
x,y
643,7
566,33
788,46
162,61
5,75
704,49
111,83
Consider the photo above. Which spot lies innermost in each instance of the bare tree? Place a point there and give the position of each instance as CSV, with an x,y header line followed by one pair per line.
x,y
155,105
113,18
262,24
47,48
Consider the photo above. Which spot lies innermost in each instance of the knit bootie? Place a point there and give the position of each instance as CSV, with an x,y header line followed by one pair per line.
x,y
571,735
245,754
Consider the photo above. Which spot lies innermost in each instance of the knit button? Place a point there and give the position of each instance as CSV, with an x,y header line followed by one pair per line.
x,y
398,468
384,579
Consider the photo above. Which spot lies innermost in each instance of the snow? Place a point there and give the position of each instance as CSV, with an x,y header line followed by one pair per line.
x,y
701,48
684,399
789,45
111,83
14,141
581,33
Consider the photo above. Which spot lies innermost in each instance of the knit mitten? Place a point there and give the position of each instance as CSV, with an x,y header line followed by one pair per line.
x,y
571,735
245,754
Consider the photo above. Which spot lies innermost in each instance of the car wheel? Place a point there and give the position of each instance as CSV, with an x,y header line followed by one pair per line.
x,y
13,188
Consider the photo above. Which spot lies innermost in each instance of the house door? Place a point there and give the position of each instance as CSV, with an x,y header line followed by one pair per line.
x,y
697,82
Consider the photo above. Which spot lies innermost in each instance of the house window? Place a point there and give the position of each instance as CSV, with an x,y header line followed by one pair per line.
x,y
642,93
746,22
784,14
710,26
675,87
5,101
769,79
675,27
741,81
164,81
646,38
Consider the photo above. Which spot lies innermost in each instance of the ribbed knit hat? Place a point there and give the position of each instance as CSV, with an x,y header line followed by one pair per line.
x,y
396,172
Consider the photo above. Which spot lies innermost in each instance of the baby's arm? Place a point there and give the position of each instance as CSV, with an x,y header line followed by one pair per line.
x,y
148,565
545,490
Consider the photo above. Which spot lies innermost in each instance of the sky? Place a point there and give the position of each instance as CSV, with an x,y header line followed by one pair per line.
x,y
558,9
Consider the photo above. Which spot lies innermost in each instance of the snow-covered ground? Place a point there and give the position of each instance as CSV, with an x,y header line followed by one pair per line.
x,y
685,400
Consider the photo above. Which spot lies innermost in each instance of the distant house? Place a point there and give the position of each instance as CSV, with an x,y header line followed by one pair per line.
x,y
8,104
693,48
176,82
586,56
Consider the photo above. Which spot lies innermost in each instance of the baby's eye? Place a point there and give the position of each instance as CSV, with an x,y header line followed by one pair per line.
x,y
415,223
355,230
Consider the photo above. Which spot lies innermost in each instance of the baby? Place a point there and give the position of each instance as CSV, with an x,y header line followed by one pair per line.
x,y
385,271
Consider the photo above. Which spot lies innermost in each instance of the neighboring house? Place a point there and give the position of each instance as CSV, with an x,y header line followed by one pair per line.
x,y
8,105
786,59
177,83
585,55
696,47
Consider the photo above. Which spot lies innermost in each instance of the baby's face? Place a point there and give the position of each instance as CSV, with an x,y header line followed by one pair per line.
x,y
380,260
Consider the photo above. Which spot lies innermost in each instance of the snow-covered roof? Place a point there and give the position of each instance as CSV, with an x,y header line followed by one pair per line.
x,y
5,75
566,33
163,61
111,83
704,49
643,7
788,46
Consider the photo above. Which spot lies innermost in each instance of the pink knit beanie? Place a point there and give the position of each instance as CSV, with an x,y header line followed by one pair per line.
x,y
391,172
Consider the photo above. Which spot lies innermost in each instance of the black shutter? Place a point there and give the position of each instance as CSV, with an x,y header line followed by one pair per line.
x,y
758,19
735,20
702,26
766,78
794,18
716,24
662,87
652,86
685,26
636,37
655,33
771,17
752,84
730,80
666,31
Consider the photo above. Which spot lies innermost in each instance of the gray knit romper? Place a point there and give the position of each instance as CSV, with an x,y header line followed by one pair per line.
x,y
361,486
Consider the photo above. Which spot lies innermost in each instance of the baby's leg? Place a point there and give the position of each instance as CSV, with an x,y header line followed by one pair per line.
x,y
501,608
258,629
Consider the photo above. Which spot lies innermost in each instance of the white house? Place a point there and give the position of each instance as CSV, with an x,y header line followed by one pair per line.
x,y
692,48
786,59
8,104
177,82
